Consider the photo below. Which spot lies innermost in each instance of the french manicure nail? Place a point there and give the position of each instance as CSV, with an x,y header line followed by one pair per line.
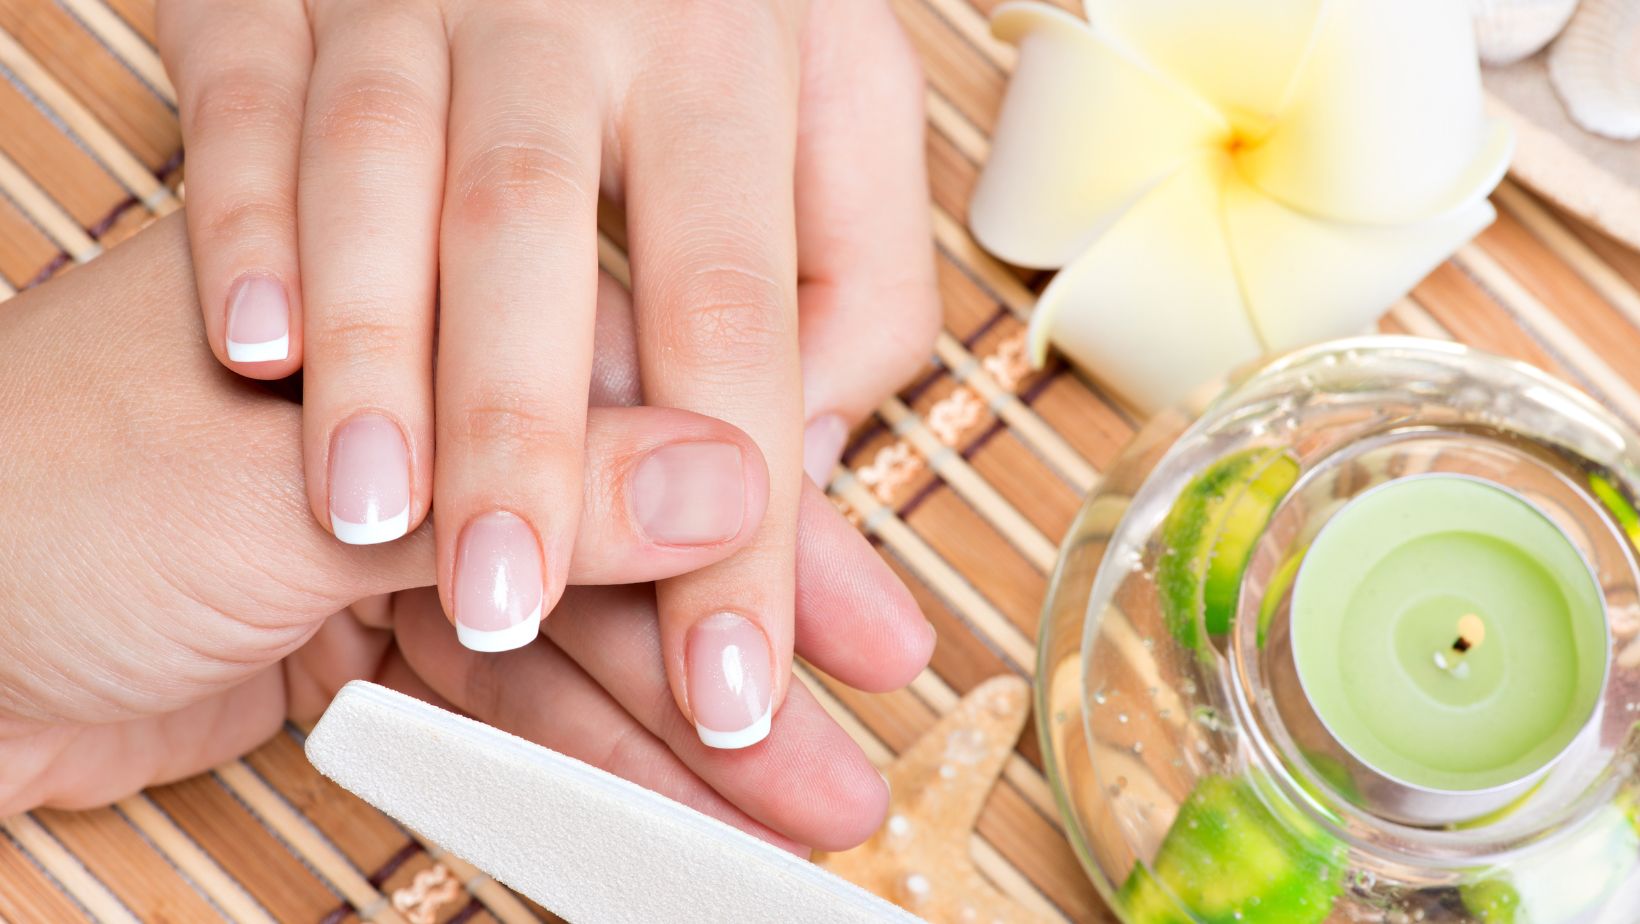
x,y
258,321
498,586
823,441
690,493
369,481
730,681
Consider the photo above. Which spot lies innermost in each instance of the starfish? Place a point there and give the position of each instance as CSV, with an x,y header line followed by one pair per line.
x,y
919,860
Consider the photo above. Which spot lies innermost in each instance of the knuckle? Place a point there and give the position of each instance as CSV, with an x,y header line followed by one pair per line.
x,y
697,15
518,180
722,310
377,108
251,220
240,99
511,417
715,46
626,752
360,332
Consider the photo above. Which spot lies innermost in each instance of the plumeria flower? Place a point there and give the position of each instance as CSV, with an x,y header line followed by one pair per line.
x,y
1222,179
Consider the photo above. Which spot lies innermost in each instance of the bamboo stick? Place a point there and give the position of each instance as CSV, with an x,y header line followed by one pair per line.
x,y
935,571
1004,285
1025,423
950,466
1418,321
963,134
1548,327
41,209
69,872
305,840
124,166
1560,240
181,850
132,49
972,24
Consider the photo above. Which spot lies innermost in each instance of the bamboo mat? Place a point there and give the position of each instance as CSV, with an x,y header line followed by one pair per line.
x,y
89,153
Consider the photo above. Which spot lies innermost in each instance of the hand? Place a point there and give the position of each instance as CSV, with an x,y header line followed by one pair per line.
x,y
769,156
167,595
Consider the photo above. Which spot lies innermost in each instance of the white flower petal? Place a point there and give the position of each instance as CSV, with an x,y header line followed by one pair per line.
x,y
1309,279
1386,118
1153,309
1240,55
1083,133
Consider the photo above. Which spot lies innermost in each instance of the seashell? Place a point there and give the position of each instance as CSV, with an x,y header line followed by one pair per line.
x,y
1508,30
1595,68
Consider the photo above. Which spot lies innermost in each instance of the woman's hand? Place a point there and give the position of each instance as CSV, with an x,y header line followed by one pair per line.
x,y
169,600
348,160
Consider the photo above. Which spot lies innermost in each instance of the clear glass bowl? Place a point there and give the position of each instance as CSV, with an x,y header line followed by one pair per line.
x,y
1194,783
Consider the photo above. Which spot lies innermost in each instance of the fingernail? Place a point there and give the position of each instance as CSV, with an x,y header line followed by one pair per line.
x,y
823,442
498,585
369,481
690,493
730,681
258,321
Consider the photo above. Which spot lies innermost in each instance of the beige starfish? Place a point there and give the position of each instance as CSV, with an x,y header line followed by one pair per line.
x,y
919,860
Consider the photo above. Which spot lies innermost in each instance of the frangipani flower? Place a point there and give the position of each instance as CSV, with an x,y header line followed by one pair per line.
x,y
1222,179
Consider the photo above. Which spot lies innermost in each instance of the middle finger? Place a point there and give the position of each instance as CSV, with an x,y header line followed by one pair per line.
x,y
519,277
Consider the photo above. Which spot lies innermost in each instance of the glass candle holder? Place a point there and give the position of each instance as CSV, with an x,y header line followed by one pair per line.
x,y
1198,778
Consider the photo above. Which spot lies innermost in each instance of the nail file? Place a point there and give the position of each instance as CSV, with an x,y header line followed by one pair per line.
x,y
587,845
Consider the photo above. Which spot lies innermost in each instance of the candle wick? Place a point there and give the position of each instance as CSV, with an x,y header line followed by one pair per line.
x,y
1471,633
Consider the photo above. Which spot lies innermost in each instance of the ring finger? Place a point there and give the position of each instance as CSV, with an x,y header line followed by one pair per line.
x,y
710,139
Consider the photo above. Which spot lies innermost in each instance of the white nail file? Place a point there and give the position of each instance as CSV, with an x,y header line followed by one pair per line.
x,y
586,845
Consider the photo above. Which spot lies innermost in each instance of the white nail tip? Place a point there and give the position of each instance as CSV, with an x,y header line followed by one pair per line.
x,y
265,352
514,636
735,740
372,533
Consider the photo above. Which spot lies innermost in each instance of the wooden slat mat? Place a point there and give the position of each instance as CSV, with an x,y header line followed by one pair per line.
x,y
89,153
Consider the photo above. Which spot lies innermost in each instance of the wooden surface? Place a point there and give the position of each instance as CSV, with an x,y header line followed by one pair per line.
x,y
89,153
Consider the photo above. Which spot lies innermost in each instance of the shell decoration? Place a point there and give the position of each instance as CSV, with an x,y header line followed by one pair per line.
x,y
1507,31
1595,68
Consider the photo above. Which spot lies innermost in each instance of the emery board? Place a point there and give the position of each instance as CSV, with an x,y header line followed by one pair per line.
x,y
585,844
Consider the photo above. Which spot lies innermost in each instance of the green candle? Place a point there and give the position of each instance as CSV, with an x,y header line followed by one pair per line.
x,y
1448,634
